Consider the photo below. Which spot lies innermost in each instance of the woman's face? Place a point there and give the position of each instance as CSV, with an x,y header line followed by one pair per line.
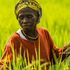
x,y
27,18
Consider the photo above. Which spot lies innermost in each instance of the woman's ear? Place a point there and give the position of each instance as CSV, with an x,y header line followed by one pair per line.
x,y
38,19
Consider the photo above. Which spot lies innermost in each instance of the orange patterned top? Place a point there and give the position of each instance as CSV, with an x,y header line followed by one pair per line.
x,y
44,43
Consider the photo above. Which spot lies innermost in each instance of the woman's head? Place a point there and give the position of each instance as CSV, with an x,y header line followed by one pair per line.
x,y
28,13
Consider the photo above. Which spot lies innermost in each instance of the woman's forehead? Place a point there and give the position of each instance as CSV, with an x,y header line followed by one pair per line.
x,y
27,11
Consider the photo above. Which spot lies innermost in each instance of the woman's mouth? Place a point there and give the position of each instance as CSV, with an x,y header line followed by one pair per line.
x,y
27,24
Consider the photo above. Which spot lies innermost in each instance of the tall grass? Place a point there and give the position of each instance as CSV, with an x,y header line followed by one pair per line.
x,y
55,18
23,63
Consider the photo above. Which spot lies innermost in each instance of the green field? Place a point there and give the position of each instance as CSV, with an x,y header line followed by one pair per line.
x,y
55,18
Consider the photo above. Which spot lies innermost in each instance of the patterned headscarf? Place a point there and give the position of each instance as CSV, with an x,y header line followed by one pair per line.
x,y
28,3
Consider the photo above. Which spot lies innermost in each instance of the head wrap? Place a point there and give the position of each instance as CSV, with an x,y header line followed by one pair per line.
x,y
28,3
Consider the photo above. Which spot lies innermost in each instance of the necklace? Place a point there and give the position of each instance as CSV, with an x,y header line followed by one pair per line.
x,y
30,37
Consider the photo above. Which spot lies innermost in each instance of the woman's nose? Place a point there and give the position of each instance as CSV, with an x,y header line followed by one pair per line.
x,y
24,19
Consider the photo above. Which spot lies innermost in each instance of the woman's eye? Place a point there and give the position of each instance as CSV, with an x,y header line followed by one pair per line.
x,y
21,17
29,16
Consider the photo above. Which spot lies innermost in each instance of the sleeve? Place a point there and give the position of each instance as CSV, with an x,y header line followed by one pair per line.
x,y
12,48
7,55
54,51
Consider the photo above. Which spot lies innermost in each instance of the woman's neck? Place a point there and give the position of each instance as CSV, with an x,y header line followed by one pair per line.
x,y
30,33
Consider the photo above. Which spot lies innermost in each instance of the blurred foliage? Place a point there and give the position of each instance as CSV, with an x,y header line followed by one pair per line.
x,y
55,18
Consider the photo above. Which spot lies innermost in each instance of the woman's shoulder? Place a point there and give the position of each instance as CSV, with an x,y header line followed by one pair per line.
x,y
42,30
13,37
